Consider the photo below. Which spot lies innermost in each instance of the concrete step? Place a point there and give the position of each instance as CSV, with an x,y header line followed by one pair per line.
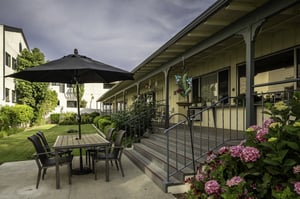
x,y
161,160
157,175
150,155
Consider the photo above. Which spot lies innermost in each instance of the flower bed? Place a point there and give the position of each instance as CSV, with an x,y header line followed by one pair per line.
x,y
265,165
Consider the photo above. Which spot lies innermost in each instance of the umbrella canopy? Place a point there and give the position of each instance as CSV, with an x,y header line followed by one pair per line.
x,y
72,69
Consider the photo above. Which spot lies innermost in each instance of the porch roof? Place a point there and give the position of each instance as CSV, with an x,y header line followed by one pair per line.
x,y
219,17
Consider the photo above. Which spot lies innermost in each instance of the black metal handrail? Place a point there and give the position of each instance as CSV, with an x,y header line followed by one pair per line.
x,y
198,128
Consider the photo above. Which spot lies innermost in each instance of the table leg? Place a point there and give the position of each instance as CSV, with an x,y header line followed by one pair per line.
x,y
106,164
57,169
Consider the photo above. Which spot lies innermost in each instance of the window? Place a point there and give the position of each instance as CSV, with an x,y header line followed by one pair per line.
x,y
273,68
211,87
69,85
71,104
20,47
7,59
6,94
62,88
55,84
14,64
13,96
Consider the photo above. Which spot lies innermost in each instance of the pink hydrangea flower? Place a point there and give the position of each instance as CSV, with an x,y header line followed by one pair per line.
x,y
255,127
234,181
210,156
267,122
296,169
235,151
250,154
223,150
297,187
260,135
212,187
200,176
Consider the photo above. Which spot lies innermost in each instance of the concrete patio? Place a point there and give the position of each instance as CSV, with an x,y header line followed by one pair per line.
x,y
18,180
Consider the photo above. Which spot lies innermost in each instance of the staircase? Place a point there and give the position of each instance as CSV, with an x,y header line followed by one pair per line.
x,y
150,156
166,155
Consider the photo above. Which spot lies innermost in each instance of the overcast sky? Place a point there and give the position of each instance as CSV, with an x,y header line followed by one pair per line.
x,y
122,33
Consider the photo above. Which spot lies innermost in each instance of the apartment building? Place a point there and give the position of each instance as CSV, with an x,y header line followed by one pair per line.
x,y
12,42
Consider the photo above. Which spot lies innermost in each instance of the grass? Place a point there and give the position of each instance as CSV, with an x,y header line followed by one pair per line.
x,y
16,147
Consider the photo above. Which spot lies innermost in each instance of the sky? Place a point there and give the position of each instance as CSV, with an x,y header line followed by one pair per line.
x,y
121,33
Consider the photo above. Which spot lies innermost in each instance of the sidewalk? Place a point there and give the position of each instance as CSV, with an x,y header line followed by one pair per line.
x,y
18,179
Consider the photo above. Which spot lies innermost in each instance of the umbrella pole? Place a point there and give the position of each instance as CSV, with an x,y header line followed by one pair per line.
x,y
81,170
78,110
79,124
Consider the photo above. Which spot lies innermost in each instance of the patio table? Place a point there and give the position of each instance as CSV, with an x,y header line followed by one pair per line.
x,y
73,142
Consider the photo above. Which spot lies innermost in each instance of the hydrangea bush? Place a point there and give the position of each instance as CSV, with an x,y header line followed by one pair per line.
x,y
265,165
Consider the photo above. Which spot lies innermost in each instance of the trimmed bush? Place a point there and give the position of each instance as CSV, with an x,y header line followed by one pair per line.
x,y
103,122
86,118
54,118
68,119
16,116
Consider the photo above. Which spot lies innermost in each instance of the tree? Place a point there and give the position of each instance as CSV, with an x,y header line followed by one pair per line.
x,y
36,95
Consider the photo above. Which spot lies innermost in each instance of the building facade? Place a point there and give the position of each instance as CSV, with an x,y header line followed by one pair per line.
x,y
67,97
12,42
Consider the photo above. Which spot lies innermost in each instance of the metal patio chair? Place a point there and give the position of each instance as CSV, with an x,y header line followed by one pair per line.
x,y
90,151
115,154
44,161
48,148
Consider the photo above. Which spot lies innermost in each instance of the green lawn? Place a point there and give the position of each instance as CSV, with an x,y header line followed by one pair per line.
x,y
17,148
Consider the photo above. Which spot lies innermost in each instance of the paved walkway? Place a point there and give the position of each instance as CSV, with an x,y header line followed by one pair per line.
x,y
18,179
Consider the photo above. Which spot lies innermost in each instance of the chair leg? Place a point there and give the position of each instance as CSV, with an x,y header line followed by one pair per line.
x,y
38,179
70,173
121,167
94,168
89,154
86,156
116,161
44,172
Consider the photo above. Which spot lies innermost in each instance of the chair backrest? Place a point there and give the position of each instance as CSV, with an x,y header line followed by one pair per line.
x,y
39,148
118,142
109,134
44,140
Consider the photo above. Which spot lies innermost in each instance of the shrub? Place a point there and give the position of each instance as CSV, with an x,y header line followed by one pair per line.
x,y
103,122
54,118
16,116
68,119
265,165
24,114
95,121
94,114
86,118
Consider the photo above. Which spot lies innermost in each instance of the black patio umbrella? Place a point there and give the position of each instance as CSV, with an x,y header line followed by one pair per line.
x,y
74,69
